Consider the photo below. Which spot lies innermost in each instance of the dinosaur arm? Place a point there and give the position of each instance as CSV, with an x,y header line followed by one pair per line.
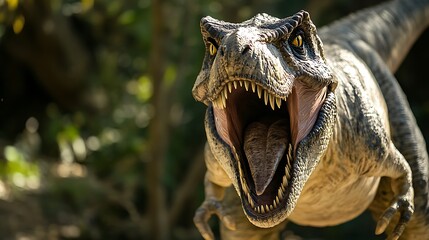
x,y
398,170
215,182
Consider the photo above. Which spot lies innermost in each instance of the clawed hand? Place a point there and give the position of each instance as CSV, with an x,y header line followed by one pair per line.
x,y
203,214
403,205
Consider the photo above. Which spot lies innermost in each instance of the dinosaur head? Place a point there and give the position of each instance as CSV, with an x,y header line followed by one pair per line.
x,y
271,108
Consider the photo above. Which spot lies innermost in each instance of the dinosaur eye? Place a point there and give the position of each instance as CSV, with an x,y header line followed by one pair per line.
x,y
297,41
212,49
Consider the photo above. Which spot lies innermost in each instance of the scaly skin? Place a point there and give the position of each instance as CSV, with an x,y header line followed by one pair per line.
x,y
331,133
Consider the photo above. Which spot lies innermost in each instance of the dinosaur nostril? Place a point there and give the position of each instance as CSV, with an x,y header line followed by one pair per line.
x,y
247,48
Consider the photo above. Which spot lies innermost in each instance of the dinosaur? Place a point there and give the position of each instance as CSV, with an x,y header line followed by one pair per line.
x,y
311,126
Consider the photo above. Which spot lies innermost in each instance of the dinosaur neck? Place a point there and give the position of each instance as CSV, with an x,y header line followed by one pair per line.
x,y
390,29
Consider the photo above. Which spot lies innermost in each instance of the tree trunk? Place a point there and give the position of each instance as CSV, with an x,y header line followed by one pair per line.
x,y
158,134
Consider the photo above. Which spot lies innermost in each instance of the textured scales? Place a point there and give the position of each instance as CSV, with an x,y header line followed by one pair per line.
x,y
309,133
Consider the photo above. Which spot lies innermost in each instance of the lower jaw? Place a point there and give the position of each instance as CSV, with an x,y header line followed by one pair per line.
x,y
221,148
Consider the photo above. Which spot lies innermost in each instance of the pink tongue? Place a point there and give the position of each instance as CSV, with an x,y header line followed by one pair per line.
x,y
265,143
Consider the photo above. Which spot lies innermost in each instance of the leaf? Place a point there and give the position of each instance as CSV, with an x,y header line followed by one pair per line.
x,y
144,89
127,17
170,75
87,4
18,24
12,4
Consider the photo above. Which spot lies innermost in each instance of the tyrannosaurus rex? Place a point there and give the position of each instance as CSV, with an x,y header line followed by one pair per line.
x,y
310,132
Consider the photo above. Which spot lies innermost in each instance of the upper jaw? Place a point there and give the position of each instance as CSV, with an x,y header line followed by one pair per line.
x,y
263,66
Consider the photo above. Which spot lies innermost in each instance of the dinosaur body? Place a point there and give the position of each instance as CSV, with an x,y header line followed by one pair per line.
x,y
336,136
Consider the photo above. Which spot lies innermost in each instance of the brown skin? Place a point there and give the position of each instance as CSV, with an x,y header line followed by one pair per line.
x,y
304,132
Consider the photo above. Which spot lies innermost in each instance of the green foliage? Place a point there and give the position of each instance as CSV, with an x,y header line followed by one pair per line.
x,y
19,171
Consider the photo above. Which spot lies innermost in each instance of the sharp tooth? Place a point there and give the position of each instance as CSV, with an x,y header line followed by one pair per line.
x,y
230,87
219,102
223,101
225,93
284,182
250,200
287,173
271,207
267,209
236,154
277,200
280,193
235,84
243,185
256,209
266,97
262,209
259,209
239,170
259,89
274,204
272,101
241,83
278,102
246,85
289,156
245,188
283,187
254,87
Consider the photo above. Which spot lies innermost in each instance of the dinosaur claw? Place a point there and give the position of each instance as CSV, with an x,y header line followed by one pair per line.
x,y
203,214
200,220
402,205
381,226
385,218
406,214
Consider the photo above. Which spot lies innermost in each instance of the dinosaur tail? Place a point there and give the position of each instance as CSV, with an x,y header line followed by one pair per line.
x,y
390,29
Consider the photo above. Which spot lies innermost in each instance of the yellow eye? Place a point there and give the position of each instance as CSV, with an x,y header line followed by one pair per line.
x,y
212,49
297,41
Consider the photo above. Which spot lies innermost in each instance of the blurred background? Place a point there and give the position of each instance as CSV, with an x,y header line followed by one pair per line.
x,y
100,137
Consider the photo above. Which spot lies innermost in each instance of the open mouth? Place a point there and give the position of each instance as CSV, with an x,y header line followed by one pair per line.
x,y
263,130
